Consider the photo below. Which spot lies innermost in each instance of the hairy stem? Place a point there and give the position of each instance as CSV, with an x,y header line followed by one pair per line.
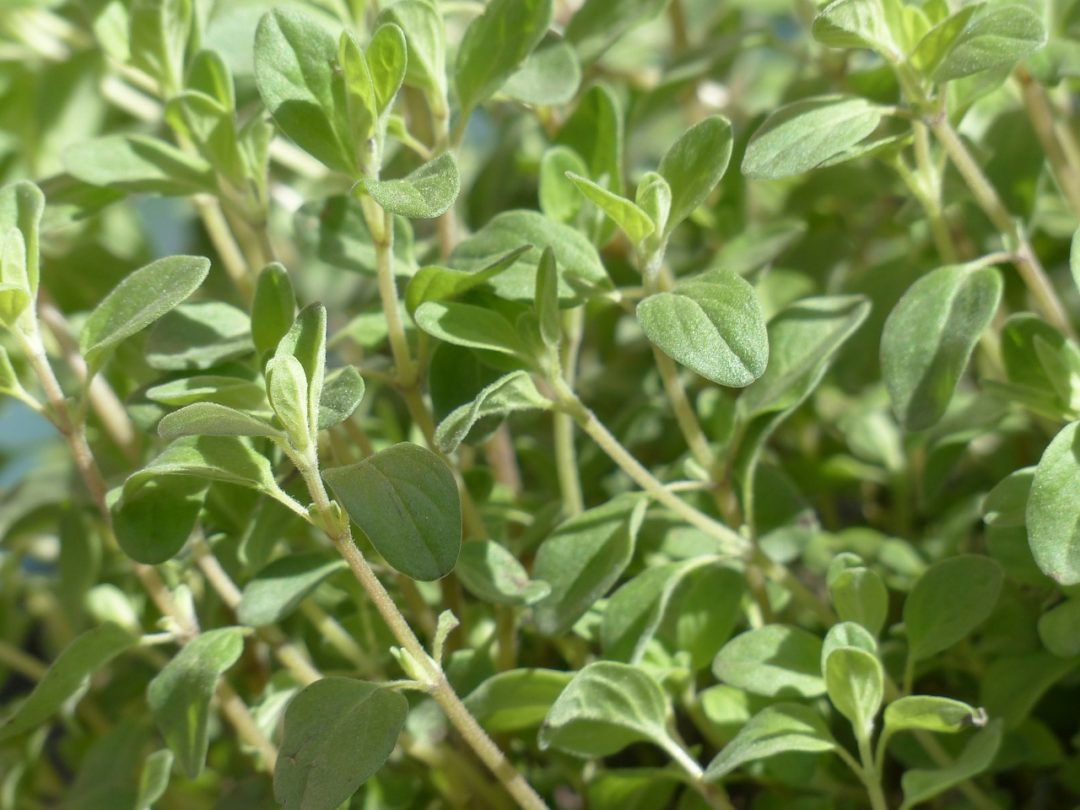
x,y
1042,121
565,452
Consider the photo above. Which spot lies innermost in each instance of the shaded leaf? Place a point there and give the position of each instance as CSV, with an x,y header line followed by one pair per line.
x,y
774,730
517,699
775,660
279,588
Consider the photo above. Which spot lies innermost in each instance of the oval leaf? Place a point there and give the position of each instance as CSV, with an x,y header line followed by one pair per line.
x,y
517,699
775,660
713,324
801,136
179,696
775,730
951,599
406,501
338,733
137,301
606,707
279,588
1053,510
491,573
424,194
929,337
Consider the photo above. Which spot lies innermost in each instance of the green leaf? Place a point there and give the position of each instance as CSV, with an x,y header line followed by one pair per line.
x,y
928,713
694,165
1053,512
634,222
508,394
491,573
14,281
870,24
470,326
579,263
704,611
406,501
774,730
595,132
1074,258
179,696
82,657
296,60
158,39
634,611
847,635
922,784
21,208
713,324
426,38
654,197
806,134
139,164
273,309
559,198
802,340
952,598
198,336
1059,629
550,75
154,779
279,588
234,392
1011,686
436,283
775,660
341,396
306,341
583,558
996,35
334,230
338,733
211,419
936,43
599,23
426,193
137,301
387,58
858,594
855,683
495,45
153,521
231,459
606,707
929,337
546,304
287,388
516,700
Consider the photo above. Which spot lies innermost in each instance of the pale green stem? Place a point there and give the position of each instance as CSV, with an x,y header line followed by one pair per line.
x,y
931,197
439,686
870,775
565,452
1042,121
730,541
1025,259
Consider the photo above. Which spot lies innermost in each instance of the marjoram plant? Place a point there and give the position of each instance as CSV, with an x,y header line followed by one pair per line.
x,y
607,404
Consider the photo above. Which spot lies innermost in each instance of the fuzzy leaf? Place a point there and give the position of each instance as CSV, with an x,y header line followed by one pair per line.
x,y
1053,511
694,165
139,164
424,194
279,588
774,730
951,599
775,660
406,501
516,700
513,392
491,573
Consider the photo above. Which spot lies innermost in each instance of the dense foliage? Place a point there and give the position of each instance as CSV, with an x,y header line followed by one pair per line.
x,y
618,404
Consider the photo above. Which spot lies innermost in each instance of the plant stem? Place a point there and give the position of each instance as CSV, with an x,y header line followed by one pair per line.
x,y
1042,121
381,226
439,686
18,661
232,258
730,541
1027,263
870,775
930,195
565,452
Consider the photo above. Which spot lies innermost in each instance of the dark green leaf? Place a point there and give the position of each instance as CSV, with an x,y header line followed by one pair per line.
x,y
929,337
951,599
491,573
274,308
198,336
921,784
517,699
1053,511
406,501
279,588
85,655
179,696
583,558
338,733
513,392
